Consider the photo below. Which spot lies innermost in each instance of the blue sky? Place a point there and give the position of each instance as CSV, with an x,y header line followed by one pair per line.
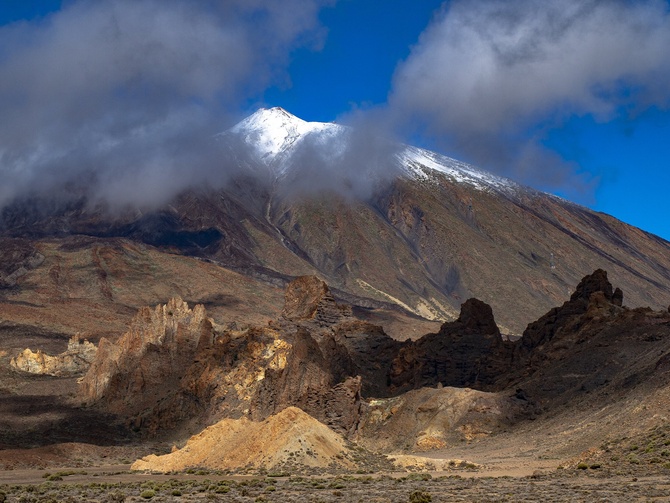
x,y
569,97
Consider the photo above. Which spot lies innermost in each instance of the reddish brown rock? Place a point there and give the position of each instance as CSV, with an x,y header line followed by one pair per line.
x,y
308,298
148,361
317,379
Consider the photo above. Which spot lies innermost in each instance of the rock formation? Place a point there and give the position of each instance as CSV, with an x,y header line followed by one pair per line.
x,y
428,418
590,344
308,298
467,352
593,294
149,360
173,368
320,384
76,359
172,365
283,441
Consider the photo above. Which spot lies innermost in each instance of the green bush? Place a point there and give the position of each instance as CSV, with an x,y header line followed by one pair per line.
x,y
148,494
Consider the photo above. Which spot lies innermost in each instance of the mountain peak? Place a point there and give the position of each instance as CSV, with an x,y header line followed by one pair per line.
x,y
274,134
270,116
273,131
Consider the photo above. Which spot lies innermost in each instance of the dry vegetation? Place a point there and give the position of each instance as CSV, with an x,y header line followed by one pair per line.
x,y
561,485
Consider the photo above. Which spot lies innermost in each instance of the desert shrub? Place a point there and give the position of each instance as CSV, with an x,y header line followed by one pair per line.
x,y
582,466
420,497
116,497
148,494
3,497
420,476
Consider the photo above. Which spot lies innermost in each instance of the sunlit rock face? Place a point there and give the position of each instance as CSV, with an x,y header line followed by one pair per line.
x,y
75,360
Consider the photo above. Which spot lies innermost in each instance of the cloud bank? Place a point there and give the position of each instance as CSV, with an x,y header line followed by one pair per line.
x,y
124,95
488,78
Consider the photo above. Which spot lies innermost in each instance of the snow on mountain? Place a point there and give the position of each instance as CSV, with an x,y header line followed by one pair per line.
x,y
423,164
275,134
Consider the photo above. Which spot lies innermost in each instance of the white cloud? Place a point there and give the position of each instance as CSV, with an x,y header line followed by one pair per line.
x,y
483,72
109,88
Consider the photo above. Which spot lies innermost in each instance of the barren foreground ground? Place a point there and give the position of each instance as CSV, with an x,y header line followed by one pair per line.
x,y
116,484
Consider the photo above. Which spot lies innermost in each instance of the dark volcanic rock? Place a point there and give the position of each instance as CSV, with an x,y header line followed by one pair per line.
x,y
467,352
371,352
592,290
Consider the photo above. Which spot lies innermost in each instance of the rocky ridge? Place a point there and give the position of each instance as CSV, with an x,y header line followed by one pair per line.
x,y
176,371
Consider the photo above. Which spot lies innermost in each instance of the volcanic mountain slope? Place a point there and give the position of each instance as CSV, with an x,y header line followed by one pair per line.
x,y
417,230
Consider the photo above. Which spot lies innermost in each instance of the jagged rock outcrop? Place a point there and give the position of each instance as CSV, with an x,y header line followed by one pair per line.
x,y
149,360
171,365
590,344
75,360
317,379
594,295
467,352
371,352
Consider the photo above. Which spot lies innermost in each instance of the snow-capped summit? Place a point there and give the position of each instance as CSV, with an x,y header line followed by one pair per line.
x,y
273,132
275,135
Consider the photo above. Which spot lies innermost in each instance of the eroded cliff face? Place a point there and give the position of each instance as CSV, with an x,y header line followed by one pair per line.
x,y
172,365
467,352
150,359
